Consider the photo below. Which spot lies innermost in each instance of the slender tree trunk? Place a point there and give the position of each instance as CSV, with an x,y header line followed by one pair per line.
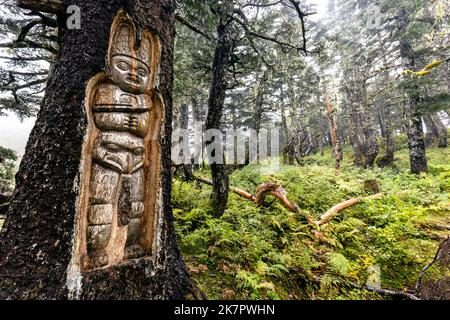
x,y
416,142
441,129
371,145
258,106
39,235
358,137
284,127
336,149
184,125
386,123
198,124
431,130
222,54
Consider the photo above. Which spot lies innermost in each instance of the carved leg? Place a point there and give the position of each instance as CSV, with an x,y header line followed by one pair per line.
x,y
133,248
103,189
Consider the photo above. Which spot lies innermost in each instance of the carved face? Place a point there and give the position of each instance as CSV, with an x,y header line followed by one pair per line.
x,y
119,151
130,74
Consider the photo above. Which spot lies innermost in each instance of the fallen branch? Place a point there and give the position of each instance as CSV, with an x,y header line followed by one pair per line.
x,y
437,257
388,292
262,191
281,194
332,212
277,191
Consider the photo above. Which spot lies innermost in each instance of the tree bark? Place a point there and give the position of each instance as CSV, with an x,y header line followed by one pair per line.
x,y
37,238
184,125
222,54
416,142
336,148
442,131
387,131
371,145
431,130
258,106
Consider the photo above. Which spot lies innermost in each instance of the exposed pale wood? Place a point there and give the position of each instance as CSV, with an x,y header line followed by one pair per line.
x,y
50,6
262,191
333,211
119,198
277,191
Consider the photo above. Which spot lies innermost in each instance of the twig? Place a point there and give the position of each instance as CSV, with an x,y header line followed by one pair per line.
x,y
437,256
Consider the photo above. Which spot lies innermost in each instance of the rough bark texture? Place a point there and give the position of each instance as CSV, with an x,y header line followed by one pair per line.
x,y
36,241
219,174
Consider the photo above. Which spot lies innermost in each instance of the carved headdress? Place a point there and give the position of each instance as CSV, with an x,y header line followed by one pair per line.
x,y
123,42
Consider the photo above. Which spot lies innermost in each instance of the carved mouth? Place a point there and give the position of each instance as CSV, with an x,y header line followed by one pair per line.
x,y
132,80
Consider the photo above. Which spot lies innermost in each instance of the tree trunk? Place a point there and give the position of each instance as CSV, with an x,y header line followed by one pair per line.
x,y
442,131
284,128
184,125
371,145
198,123
431,130
258,106
39,244
222,54
416,142
334,139
358,137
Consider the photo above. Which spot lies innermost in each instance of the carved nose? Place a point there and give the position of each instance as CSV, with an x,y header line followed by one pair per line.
x,y
133,76
129,162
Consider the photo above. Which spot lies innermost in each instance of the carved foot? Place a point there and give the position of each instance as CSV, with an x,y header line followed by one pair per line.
x,y
134,251
98,259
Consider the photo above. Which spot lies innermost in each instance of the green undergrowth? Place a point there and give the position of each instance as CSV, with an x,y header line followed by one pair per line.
x,y
268,252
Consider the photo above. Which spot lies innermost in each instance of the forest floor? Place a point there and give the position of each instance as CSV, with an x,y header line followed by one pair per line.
x,y
269,252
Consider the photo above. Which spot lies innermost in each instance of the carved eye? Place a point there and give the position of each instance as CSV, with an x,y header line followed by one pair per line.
x,y
111,147
142,72
122,65
138,151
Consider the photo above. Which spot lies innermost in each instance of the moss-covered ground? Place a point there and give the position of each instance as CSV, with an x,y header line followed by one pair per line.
x,y
268,252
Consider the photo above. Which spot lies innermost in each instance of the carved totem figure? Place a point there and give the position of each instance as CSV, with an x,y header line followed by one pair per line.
x,y
119,203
